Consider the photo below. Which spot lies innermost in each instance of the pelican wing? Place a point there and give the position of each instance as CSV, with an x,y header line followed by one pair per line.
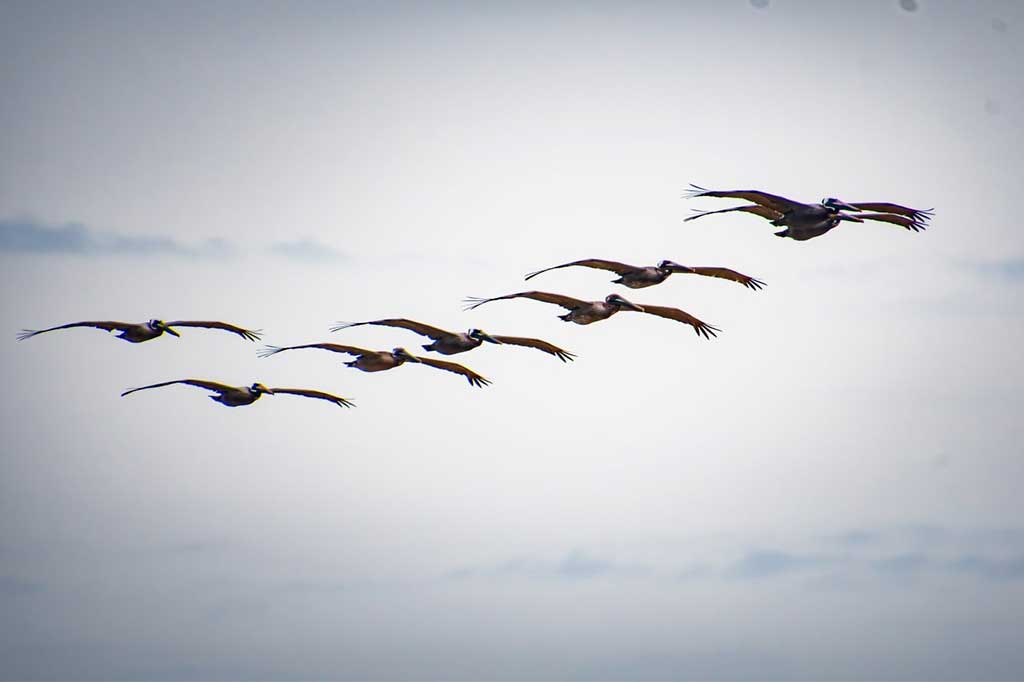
x,y
551,348
411,325
702,328
763,211
617,268
919,215
472,377
566,302
309,393
267,351
208,385
247,334
772,201
901,220
723,273
106,326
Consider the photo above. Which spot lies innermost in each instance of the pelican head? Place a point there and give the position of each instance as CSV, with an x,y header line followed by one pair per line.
x,y
404,355
481,335
616,300
258,388
160,325
836,205
669,266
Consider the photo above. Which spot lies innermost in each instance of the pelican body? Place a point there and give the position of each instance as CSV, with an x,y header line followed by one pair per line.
x,y
806,221
238,396
640,277
145,331
382,360
588,312
452,343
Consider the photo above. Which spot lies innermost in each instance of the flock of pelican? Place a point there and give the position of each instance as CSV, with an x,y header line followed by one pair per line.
x,y
801,222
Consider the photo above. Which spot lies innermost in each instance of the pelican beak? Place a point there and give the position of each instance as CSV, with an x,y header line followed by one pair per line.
x,y
851,218
488,338
632,306
842,205
406,355
170,331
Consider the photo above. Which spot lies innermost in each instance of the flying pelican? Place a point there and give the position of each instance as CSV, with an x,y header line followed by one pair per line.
x,y
450,343
638,277
144,331
587,312
806,221
236,396
378,361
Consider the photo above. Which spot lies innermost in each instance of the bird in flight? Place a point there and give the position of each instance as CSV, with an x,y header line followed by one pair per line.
x,y
236,396
638,277
450,343
588,312
379,361
145,331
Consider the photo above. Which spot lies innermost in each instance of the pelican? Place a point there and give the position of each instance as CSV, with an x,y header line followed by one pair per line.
x,y
588,312
378,361
236,396
638,277
450,343
145,331
806,221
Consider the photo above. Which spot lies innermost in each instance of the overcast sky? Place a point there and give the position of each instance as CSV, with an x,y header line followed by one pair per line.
x,y
828,490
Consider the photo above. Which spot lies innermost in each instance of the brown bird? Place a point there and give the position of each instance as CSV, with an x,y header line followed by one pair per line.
x,y
638,277
450,343
806,221
588,312
145,331
236,396
378,361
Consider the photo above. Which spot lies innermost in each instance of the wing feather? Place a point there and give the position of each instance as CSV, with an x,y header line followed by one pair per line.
x,y
106,326
551,348
918,214
763,211
566,302
402,323
901,220
310,393
772,201
267,351
723,273
247,334
702,328
617,268
208,385
472,377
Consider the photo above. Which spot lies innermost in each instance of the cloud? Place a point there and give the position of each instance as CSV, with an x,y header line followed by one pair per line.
x,y
26,236
1011,269
308,251
990,569
762,563
11,586
575,565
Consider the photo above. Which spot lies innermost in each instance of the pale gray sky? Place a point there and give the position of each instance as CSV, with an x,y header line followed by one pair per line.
x,y
828,490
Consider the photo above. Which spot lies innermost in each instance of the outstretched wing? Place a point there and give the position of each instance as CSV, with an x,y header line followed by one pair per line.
x,y
722,273
763,211
901,220
917,214
472,377
267,351
772,201
551,348
617,268
566,302
309,393
411,325
247,334
106,326
702,328
208,385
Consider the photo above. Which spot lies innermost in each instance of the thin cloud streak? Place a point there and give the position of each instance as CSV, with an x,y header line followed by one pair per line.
x,y
308,251
26,236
